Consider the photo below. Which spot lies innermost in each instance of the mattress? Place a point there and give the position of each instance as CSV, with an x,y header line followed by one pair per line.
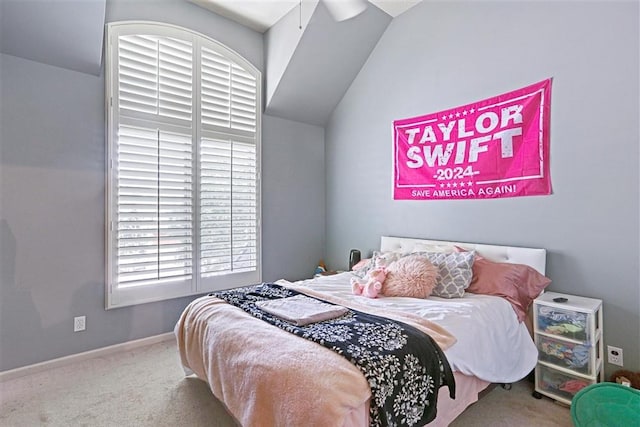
x,y
491,344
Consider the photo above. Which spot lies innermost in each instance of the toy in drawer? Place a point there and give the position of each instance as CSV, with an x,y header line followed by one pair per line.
x,y
559,383
565,354
563,323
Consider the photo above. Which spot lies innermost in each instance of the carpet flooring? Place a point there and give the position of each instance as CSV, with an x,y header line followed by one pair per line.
x,y
146,387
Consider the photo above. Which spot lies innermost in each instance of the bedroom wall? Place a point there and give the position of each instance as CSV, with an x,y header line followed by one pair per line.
x,y
52,189
293,210
280,43
442,54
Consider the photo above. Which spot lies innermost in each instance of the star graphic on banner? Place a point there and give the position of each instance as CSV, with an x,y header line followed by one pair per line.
x,y
465,112
472,110
470,183
444,117
458,114
448,185
441,185
462,184
451,116
455,184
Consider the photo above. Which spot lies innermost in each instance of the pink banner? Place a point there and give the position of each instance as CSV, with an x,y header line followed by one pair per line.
x,y
497,147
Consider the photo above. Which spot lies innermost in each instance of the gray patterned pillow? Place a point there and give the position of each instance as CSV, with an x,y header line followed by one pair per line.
x,y
454,272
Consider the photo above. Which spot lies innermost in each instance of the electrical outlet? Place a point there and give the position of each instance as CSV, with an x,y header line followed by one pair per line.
x,y
79,323
614,355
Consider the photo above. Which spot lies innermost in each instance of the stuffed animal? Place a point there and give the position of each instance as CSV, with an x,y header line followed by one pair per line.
x,y
627,377
371,284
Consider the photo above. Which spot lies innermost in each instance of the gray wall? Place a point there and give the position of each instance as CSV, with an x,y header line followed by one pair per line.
x,y
51,27
52,189
293,208
280,43
443,54
326,60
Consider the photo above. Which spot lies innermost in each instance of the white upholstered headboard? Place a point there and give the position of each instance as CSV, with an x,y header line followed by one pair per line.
x,y
536,258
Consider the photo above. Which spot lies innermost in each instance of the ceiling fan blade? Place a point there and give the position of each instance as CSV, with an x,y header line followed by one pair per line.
x,y
342,10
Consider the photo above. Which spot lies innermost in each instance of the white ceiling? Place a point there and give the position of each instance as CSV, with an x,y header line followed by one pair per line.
x,y
260,15
395,7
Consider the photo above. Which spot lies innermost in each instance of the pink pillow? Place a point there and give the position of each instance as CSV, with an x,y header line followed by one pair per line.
x,y
361,264
410,276
517,283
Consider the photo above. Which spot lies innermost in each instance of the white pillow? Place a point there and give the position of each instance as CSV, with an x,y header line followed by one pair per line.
x,y
384,259
428,247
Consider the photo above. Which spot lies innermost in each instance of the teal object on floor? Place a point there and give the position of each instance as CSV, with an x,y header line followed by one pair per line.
x,y
606,405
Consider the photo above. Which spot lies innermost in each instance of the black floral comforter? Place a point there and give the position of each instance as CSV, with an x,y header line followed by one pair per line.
x,y
405,368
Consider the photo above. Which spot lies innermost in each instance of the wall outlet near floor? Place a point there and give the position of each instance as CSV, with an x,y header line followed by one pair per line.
x,y
79,323
614,355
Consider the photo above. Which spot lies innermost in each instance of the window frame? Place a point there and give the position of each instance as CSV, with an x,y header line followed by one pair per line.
x,y
119,296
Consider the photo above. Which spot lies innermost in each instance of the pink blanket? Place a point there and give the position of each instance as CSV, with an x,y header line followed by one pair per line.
x,y
266,376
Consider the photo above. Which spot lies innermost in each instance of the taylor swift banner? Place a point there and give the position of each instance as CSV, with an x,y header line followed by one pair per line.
x,y
497,147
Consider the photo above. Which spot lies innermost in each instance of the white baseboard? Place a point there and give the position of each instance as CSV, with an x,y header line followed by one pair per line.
x,y
75,358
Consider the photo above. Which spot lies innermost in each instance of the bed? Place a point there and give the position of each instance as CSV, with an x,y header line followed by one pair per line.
x,y
267,376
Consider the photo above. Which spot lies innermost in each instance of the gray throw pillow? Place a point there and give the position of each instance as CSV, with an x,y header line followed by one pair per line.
x,y
454,272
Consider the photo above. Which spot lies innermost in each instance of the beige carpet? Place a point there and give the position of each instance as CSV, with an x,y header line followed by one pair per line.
x,y
146,387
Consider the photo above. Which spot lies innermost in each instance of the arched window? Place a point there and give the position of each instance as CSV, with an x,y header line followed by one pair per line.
x,y
183,143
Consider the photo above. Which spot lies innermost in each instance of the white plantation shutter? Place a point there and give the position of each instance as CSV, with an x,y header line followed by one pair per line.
x,y
155,76
228,94
229,215
183,176
154,207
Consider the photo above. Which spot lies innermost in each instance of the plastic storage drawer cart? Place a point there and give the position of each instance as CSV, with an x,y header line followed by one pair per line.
x,y
568,333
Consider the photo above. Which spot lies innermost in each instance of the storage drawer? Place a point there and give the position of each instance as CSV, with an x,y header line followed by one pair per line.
x,y
563,323
558,383
577,357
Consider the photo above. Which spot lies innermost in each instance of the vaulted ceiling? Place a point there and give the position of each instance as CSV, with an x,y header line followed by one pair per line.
x,y
261,15
306,81
311,58
65,34
312,51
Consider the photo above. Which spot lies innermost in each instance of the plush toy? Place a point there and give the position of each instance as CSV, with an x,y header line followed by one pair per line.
x,y
371,284
627,378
